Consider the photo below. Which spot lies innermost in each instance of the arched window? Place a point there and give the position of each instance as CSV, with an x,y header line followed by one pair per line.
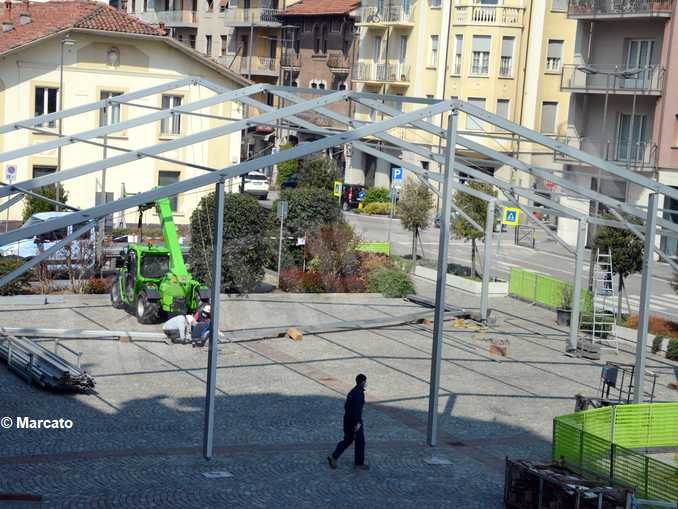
x,y
316,39
324,38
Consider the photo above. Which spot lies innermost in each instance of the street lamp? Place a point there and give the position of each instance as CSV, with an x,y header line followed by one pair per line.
x,y
67,41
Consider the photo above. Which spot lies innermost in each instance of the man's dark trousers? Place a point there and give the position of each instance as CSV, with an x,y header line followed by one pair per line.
x,y
350,434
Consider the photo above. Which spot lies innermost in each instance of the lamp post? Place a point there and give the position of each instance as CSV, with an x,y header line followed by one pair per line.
x,y
67,41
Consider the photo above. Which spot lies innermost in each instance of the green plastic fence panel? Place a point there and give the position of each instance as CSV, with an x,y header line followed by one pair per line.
x,y
544,290
648,425
374,247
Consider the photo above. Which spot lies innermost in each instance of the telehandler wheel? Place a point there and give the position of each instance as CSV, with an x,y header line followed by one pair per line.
x,y
116,300
147,311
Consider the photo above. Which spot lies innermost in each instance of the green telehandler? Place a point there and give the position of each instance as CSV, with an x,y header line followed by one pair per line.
x,y
152,281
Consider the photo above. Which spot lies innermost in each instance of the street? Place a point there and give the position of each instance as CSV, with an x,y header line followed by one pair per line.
x,y
548,258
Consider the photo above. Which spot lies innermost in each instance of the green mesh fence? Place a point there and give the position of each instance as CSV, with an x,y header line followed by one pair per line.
x,y
544,290
605,442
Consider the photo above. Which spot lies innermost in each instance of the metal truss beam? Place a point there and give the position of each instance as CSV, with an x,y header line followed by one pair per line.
x,y
34,195
37,121
11,202
232,171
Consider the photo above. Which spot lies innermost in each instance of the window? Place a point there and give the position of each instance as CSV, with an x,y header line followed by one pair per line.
x,y
435,4
41,171
376,48
403,47
210,5
472,123
208,45
458,52
171,125
554,56
559,5
433,55
506,62
109,114
316,39
191,40
503,108
480,63
632,137
166,178
335,26
548,117
46,102
224,45
324,41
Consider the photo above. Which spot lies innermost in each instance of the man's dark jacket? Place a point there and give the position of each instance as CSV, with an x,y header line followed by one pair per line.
x,y
353,408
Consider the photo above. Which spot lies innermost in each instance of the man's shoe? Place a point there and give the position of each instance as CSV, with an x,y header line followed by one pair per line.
x,y
362,467
332,462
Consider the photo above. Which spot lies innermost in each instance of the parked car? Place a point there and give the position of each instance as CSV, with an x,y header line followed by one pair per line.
x,y
256,184
291,181
82,250
351,196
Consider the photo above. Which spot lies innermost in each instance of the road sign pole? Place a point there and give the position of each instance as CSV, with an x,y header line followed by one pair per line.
x,y
280,250
390,217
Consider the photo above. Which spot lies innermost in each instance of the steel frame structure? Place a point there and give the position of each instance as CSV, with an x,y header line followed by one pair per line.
x,y
360,135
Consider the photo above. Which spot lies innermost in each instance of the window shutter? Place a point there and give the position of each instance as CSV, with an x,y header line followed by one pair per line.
x,y
507,47
555,49
481,43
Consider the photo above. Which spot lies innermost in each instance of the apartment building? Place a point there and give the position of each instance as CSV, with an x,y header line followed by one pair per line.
x,y
105,53
623,79
502,55
318,52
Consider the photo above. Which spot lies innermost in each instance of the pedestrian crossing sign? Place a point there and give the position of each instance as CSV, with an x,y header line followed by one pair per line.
x,y
511,216
337,188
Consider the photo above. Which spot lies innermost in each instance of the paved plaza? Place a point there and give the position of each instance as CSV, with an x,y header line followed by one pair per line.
x,y
137,441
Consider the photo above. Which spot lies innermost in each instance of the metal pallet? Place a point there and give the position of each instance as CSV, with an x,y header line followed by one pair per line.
x,y
36,364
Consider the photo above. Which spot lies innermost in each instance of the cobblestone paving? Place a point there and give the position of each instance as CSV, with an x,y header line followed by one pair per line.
x,y
136,443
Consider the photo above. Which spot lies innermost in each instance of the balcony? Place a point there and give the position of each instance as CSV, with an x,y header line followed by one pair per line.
x,y
396,73
236,17
640,155
388,15
612,79
483,15
616,9
188,19
338,63
261,66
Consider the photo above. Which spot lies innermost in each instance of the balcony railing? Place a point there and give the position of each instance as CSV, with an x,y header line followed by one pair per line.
x,y
614,79
640,155
611,9
489,15
244,17
388,14
396,72
260,65
506,67
338,62
169,18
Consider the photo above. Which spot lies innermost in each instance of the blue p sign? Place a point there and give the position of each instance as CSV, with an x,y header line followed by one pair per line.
x,y
396,174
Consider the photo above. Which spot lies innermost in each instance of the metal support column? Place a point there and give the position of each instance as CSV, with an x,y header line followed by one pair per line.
x,y
576,290
218,244
487,260
444,239
645,292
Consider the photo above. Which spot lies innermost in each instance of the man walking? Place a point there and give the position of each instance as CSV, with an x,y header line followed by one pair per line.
x,y
353,425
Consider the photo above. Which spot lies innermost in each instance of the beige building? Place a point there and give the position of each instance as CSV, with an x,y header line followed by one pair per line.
x,y
502,55
105,53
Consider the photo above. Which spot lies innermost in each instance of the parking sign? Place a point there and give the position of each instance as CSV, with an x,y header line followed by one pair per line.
x,y
397,175
10,173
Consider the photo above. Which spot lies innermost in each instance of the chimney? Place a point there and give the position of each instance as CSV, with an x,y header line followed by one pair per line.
x,y
25,14
7,24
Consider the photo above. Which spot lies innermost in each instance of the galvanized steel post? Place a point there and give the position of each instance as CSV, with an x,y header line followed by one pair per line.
x,y
217,246
487,260
576,290
434,384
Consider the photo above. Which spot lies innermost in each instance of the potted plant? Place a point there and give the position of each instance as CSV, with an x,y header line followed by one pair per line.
x,y
564,312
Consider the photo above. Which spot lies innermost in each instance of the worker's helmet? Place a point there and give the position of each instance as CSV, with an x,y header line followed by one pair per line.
x,y
206,311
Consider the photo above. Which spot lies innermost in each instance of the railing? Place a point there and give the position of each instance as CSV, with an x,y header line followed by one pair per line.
x,y
488,15
619,8
236,16
385,72
169,18
260,65
290,59
613,78
372,14
601,442
506,67
337,61
639,154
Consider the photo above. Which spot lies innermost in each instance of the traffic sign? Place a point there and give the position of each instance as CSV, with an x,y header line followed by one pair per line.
x,y
10,173
283,207
549,185
511,216
397,175
337,188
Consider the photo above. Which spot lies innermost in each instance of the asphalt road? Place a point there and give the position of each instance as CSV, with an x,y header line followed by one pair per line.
x,y
548,258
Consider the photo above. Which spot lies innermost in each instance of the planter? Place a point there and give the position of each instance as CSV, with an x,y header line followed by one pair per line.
x,y
496,288
631,335
563,317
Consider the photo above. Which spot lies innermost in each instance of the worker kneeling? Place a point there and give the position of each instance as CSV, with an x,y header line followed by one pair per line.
x,y
189,328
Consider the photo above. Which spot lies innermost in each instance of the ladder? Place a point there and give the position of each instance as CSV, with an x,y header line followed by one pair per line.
x,y
599,322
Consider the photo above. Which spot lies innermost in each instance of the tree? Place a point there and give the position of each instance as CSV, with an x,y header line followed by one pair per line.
x,y
476,208
319,172
627,252
286,168
414,209
245,246
34,205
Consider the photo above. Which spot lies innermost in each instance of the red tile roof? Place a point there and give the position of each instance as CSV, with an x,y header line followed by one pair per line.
x,y
320,7
48,18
